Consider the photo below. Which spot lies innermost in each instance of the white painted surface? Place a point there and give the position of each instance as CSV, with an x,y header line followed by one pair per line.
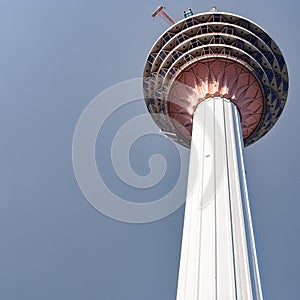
x,y
218,257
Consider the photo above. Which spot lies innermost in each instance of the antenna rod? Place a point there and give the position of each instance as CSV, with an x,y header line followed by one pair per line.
x,y
161,11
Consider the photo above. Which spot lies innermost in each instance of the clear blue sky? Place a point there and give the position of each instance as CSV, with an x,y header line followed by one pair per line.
x,y
56,56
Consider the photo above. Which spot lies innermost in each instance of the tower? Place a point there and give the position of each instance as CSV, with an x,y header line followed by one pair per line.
x,y
216,82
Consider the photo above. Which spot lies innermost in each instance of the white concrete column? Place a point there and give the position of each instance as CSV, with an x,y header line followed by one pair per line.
x,y
218,257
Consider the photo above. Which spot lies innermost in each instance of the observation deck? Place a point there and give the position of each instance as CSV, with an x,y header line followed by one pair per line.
x,y
215,54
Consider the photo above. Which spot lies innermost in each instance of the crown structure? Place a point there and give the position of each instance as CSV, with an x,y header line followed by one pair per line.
x,y
216,82
215,54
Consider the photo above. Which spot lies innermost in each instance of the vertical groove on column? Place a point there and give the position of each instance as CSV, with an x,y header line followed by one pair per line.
x,y
207,284
226,284
215,197
190,264
252,257
200,206
244,290
226,109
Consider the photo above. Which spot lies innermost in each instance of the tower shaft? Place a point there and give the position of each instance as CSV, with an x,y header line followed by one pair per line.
x,y
218,256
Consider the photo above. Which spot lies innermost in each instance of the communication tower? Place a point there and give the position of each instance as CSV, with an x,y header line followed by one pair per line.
x,y
216,82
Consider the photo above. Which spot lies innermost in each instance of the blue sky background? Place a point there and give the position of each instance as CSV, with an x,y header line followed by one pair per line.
x,y
56,56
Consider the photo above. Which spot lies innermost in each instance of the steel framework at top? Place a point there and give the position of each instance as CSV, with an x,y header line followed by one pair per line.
x,y
215,35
